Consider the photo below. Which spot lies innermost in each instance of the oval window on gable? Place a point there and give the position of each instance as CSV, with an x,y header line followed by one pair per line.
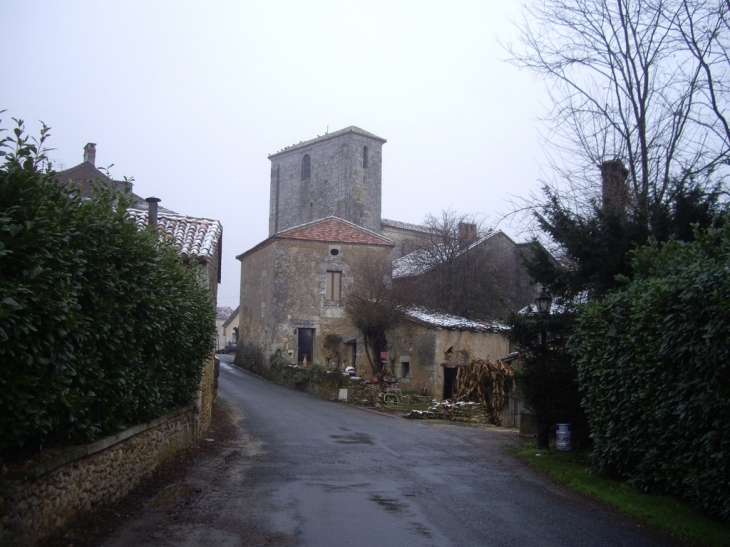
x,y
306,167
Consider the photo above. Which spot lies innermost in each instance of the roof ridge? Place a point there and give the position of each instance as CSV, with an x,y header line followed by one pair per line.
x,y
327,136
333,217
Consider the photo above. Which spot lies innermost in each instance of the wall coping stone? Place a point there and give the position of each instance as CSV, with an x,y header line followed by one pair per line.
x,y
78,452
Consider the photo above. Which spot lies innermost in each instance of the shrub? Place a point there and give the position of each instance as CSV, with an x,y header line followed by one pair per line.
x,y
654,365
101,326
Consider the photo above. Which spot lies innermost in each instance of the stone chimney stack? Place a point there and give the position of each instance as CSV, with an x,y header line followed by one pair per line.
x,y
467,234
613,184
90,153
152,218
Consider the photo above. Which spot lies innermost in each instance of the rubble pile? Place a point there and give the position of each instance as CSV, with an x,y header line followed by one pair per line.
x,y
473,413
362,392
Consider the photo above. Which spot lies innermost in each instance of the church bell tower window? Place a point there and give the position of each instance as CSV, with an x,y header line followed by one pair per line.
x,y
306,167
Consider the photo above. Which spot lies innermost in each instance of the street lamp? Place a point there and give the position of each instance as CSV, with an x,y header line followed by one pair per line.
x,y
544,300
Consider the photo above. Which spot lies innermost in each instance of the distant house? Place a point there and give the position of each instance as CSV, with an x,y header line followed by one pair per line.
x,y
85,176
293,286
230,328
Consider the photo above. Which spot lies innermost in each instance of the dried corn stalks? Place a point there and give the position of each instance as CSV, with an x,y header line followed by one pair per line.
x,y
482,381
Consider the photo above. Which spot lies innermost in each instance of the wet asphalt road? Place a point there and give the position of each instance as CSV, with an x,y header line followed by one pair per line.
x,y
323,473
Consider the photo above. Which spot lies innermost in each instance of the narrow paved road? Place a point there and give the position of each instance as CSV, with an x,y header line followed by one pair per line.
x,y
310,472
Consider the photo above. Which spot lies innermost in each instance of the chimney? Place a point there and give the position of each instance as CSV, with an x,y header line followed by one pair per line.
x,y
467,234
90,153
152,202
613,184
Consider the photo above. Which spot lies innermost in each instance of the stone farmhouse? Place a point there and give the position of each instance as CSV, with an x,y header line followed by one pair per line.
x,y
324,218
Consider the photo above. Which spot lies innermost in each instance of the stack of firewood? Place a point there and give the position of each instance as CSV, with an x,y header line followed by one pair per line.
x,y
481,381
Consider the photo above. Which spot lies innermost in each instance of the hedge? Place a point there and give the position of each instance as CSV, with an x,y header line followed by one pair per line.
x,y
654,366
101,326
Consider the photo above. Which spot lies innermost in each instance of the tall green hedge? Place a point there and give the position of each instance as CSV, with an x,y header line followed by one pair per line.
x,y
101,326
654,367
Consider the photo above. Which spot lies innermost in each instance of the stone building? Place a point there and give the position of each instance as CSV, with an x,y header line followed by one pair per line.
x,y
404,235
293,287
324,217
426,349
337,174
505,284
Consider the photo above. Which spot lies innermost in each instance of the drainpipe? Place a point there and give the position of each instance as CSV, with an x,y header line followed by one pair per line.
x,y
152,202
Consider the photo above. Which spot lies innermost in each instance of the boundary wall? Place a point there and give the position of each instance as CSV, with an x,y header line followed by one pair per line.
x,y
41,499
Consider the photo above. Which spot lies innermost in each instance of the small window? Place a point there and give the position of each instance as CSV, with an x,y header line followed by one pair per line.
x,y
334,252
364,157
333,286
306,167
405,369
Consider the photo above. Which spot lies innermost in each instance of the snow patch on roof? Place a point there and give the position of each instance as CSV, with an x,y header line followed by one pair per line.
x,y
419,261
452,322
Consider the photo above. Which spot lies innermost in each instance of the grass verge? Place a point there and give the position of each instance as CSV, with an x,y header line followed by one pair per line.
x,y
665,512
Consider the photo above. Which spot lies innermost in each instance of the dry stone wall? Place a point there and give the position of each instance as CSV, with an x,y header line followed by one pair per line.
x,y
39,500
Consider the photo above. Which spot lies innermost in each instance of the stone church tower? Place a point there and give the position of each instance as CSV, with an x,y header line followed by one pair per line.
x,y
337,174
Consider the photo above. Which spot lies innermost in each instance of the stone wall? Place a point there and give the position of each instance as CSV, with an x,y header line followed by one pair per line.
x,y
361,392
207,394
40,499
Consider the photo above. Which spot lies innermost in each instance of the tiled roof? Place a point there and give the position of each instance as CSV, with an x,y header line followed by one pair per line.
x,y
85,172
327,230
335,230
321,138
404,226
435,319
194,238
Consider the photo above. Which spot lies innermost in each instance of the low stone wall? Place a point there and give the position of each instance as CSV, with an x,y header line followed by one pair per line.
x,y
362,392
40,499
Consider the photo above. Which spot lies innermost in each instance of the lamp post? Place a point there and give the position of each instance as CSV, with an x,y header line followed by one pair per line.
x,y
544,301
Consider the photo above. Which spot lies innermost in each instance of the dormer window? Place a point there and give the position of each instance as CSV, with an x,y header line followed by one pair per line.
x,y
306,167
364,157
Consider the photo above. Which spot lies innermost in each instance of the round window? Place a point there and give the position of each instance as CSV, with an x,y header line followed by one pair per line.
x,y
334,252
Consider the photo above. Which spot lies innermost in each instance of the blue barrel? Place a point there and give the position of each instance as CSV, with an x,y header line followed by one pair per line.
x,y
564,437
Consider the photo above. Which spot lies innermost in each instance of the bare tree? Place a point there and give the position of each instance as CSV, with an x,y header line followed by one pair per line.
x,y
625,83
371,306
455,267
705,28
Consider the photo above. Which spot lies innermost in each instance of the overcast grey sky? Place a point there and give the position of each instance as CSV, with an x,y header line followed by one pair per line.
x,y
189,98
